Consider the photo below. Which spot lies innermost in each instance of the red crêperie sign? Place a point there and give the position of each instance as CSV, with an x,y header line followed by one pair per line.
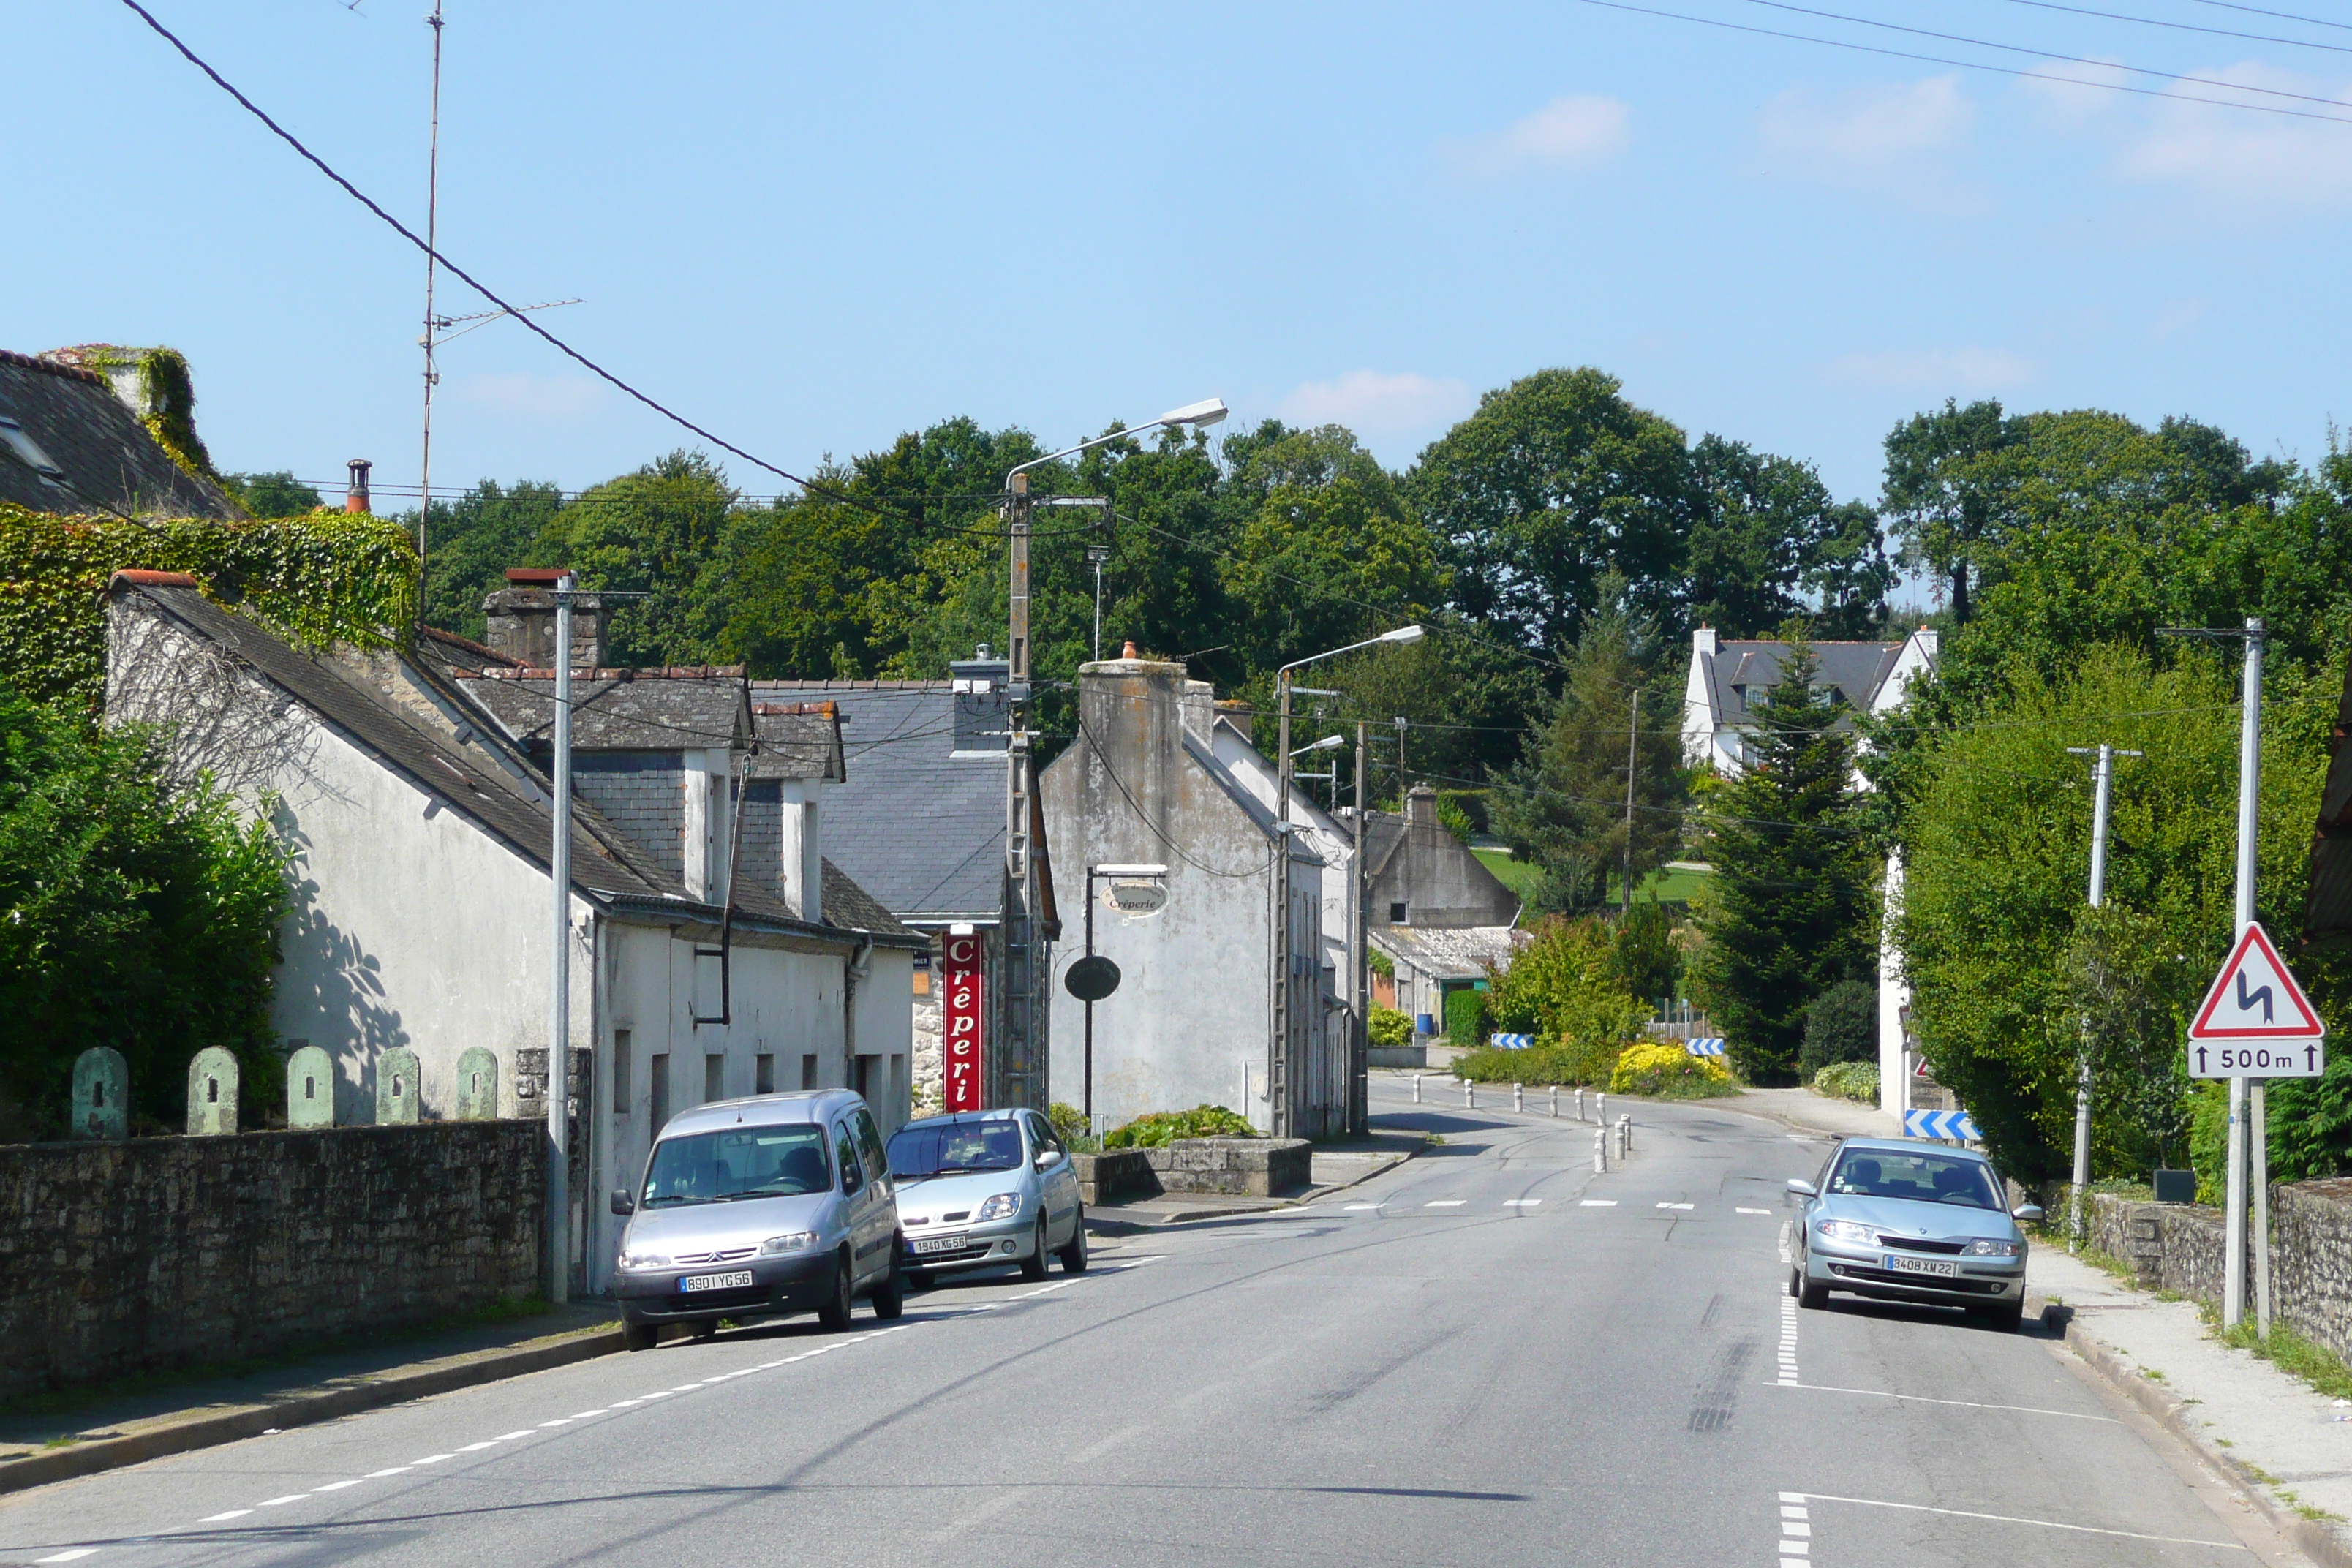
x,y
959,1022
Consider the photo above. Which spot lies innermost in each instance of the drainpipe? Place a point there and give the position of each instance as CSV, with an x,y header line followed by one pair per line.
x,y
859,964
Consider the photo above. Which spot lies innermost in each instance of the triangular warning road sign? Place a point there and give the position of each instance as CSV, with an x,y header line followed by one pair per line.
x,y
2255,998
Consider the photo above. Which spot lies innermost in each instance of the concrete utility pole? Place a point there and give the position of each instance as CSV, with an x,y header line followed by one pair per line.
x,y
1632,738
1096,555
2103,778
1359,964
2250,786
558,1022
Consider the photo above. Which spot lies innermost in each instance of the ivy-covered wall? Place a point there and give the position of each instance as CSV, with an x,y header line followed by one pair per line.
x,y
325,576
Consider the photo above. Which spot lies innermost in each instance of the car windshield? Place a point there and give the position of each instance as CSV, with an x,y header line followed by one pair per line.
x,y
739,1163
948,1149
1928,1178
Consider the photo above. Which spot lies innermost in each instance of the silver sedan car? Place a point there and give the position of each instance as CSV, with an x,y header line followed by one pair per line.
x,y
1911,1221
985,1188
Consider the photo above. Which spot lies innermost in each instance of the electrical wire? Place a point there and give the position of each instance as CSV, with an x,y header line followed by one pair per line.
x,y
2182,26
2282,16
1947,61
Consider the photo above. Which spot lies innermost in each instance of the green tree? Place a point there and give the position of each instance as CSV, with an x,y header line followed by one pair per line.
x,y
1841,1026
1789,911
1564,988
473,539
279,494
1563,805
655,532
1767,543
1554,482
1938,491
1645,959
139,915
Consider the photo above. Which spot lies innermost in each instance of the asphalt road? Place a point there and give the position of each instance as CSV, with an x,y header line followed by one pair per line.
x,y
1491,1355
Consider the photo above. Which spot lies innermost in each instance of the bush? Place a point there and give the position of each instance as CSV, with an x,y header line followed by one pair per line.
x,y
1841,1026
1070,1126
1158,1127
1670,1072
1388,1028
1465,1019
1849,1080
1563,987
1545,1061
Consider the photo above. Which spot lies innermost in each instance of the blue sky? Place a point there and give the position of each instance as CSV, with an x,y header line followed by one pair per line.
x,y
814,227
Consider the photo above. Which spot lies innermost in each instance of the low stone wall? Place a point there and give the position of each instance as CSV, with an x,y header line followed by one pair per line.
x,y
123,1258
1251,1167
2173,1247
2182,1247
1115,1176
1396,1056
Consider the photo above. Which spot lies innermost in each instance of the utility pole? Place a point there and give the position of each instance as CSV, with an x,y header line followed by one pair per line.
x,y
1278,1063
1008,1057
1633,737
2249,785
1402,784
2103,779
1096,555
1360,890
432,324
558,1025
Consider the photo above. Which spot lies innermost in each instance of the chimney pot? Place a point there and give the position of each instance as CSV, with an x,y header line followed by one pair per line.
x,y
357,500
1128,651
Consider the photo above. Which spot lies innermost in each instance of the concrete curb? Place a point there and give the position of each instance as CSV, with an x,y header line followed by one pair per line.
x,y
50,1464
2312,1537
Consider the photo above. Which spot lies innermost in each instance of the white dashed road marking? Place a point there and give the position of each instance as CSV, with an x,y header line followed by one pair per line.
x,y
1599,1204
1354,1209
78,1552
1767,1213
1796,1529
1521,1203
2013,1518
216,1518
1677,1205
1445,1203
1787,1339
1969,1404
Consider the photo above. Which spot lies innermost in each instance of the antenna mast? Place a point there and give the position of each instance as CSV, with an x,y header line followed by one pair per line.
x,y
432,244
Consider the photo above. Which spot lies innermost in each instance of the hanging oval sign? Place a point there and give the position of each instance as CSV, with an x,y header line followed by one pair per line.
x,y
1092,978
1135,898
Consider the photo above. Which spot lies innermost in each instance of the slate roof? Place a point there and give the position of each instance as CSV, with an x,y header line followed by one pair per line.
x,y
1451,952
920,828
605,863
1856,670
102,458
618,709
797,741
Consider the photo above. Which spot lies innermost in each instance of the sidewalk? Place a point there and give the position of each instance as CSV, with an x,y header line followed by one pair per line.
x,y
1333,1169
1809,1112
2288,1446
166,1416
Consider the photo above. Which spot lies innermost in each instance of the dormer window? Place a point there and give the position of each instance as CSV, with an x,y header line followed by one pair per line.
x,y
27,450
1396,913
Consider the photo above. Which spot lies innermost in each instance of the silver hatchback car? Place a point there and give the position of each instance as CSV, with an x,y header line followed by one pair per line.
x,y
987,1187
1905,1220
759,1207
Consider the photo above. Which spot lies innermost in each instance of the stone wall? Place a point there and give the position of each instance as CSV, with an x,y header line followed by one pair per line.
x,y
1115,1176
124,1258
2173,1247
930,1060
2181,1248
1252,1167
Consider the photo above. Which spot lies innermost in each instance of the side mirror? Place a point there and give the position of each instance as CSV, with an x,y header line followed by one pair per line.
x,y
2030,1213
1802,1188
1047,1158
622,1203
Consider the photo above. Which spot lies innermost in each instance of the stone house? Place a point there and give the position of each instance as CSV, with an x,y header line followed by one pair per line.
x,y
715,951
72,439
1725,677
1439,916
1155,775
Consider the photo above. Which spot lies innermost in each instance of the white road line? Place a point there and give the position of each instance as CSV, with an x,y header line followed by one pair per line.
x,y
216,1518
558,1421
1765,1211
1676,1205
1445,1202
1521,1203
338,1486
1355,1208
1967,1403
478,1448
432,1459
2037,1523
76,1554
1124,1435
393,1471
1599,1204
1796,1543
1787,1358
282,1501
986,1510
510,1437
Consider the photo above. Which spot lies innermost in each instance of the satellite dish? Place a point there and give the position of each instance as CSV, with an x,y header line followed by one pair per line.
x,y
1091,979
1135,898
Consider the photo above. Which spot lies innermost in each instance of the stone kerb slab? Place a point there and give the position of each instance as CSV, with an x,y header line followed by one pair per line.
x,y
478,1085
396,1100
310,1087
101,1093
211,1093
1248,1167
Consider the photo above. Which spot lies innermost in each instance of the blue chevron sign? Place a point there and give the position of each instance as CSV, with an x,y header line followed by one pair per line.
x,y
1952,1124
1711,1047
1510,1042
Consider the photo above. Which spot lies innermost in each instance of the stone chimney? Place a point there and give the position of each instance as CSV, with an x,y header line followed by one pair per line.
x,y
522,618
982,714
1705,643
1421,806
1132,713
356,497
1199,704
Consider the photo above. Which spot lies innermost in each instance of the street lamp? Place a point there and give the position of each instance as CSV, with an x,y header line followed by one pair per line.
x,y
1016,1055
1279,1068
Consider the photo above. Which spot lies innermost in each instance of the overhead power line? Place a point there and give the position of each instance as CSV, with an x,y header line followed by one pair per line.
x,y
1969,64
2181,26
2282,16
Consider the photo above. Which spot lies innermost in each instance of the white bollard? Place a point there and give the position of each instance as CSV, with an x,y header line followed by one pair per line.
x,y
1416,1088
1519,1096
1601,1108
1579,1104
1600,1151
1629,1133
1555,1101
1469,1094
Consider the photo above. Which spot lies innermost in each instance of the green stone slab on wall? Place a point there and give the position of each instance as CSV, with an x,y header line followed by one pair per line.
x,y
397,1099
478,1085
211,1093
101,1093
311,1088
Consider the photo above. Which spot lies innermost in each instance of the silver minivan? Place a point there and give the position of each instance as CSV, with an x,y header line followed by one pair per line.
x,y
759,1207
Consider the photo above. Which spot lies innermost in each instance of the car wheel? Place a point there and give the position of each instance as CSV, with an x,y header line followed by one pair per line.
x,y
639,1336
1073,1256
835,1313
1796,1281
890,1297
1810,1296
1033,1266
2006,1319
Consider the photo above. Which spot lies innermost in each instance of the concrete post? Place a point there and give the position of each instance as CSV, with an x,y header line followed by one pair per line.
x,y
1555,1101
1519,1096
1600,1151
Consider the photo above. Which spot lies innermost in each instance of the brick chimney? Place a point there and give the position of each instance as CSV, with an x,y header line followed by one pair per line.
x,y
356,500
522,618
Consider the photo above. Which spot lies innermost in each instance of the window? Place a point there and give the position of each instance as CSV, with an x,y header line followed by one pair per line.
x,y
808,1072
764,1074
1396,914
865,1071
870,1143
714,1076
845,1151
741,1162
27,450
658,1068
1041,1135
622,1089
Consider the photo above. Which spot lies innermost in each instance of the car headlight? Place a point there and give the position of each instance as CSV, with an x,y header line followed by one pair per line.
x,y
1985,1246
1004,1206
641,1260
1846,1230
791,1241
